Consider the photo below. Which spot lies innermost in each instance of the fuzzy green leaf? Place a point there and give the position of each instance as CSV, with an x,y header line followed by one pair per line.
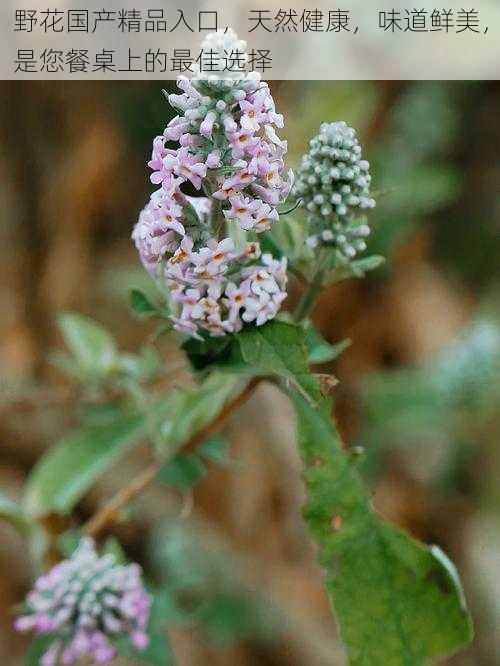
x,y
12,513
365,264
37,648
141,304
344,269
215,449
222,353
321,351
278,348
68,470
398,603
68,542
113,547
65,473
140,367
190,410
184,471
93,349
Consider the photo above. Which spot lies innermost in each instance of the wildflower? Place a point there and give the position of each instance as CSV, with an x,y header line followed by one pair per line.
x,y
213,259
251,214
259,163
159,152
236,299
158,230
216,290
234,184
252,251
264,217
186,326
207,126
202,206
267,285
176,128
183,252
213,160
187,166
254,110
243,141
227,145
242,210
85,601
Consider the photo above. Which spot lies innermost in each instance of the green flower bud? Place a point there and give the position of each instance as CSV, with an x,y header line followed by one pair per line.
x,y
334,184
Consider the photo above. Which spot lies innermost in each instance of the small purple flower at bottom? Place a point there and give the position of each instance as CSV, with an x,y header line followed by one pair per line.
x,y
84,601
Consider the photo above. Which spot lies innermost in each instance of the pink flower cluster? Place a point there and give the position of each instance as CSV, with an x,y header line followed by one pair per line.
x,y
163,224
159,228
217,289
227,139
83,601
228,149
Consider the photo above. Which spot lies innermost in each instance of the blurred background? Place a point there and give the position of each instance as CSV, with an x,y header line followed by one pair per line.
x,y
419,385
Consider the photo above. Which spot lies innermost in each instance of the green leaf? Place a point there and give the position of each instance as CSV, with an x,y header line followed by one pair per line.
x,y
343,268
98,414
68,542
210,352
113,547
37,648
192,217
67,471
227,617
321,351
190,410
68,366
93,348
362,266
278,348
269,244
12,513
288,238
184,471
141,367
397,602
215,449
141,304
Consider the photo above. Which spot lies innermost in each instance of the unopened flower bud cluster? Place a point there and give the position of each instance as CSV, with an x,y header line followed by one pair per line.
x,y
333,182
228,150
82,602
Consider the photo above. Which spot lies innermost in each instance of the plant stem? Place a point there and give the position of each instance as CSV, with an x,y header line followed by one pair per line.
x,y
108,514
308,298
111,511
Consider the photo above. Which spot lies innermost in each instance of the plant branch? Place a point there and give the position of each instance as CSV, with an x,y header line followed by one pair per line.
x,y
110,512
313,288
308,299
298,274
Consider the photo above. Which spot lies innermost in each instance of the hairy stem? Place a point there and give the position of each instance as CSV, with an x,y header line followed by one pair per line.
x,y
306,303
109,513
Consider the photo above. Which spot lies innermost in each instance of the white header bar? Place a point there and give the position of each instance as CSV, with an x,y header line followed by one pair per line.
x,y
157,39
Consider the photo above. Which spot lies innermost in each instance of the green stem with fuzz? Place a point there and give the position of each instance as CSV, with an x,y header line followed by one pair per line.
x,y
308,298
